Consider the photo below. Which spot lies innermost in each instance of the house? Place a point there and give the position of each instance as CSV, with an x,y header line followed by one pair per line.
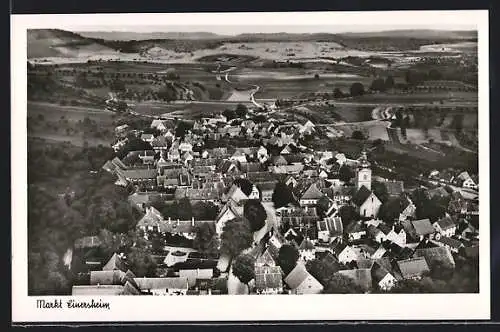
x,y
287,169
397,235
234,194
413,268
194,274
445,226
394,188
407,209
346,253
382,278
239,156
268,280
311,196
115,263
307,249
418,229
147,137
452,244
97,290
376,234
266,190
228,167
230,211
361,277
278,160
355,230
300,281
108,277
366,202
329,229
379,253
437,257
262,154
163,286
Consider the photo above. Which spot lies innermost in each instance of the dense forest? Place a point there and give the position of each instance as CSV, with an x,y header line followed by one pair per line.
x,y
91,204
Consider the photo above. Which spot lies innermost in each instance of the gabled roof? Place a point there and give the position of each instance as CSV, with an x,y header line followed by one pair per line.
x,y
354,227
114,263
111,277
232,207
130,289
453,243
162,283
379,271
306,244
446,223
394,188
436,255
87,242
299,275
413,267
361,195
422,227
268,277
97,290
312,192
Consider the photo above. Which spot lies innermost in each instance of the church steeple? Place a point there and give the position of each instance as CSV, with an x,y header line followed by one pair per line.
x,y
364,172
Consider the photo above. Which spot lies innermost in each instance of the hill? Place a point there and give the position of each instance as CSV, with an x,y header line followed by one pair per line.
x,y
54,42
418,34
128,36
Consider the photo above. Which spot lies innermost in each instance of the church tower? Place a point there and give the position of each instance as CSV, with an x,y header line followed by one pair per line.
x,y
364,172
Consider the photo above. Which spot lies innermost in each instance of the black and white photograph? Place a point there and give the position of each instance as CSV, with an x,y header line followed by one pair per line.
x,y
186,160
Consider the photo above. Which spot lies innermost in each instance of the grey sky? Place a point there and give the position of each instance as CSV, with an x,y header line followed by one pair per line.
x,y
237,29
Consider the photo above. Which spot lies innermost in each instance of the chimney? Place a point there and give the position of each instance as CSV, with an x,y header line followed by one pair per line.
x,y
192,221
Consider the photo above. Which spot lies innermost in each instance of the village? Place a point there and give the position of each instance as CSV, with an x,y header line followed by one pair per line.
x,y
276,216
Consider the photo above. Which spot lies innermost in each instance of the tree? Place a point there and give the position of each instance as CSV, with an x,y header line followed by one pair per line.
x,y
433,209
255,213
340,284
358,135
321,270
182,128
287,257
243,268
229,114
322,206
346,173
357,89
184,208
205,211
389,82
236,236
171,74
241,110
378,84
245,185
206,239
390,210
337,93
316,76
141,263
380,190
348,214
282,195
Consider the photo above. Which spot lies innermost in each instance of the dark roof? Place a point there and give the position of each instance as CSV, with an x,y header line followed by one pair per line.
x,y
115,263
413,267
422,227
394,188
446,223
268,277
354,227
312,193
361,195
386,229
453,243
436,255
110,277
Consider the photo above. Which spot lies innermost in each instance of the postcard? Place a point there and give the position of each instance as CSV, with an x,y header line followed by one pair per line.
x,y
202,167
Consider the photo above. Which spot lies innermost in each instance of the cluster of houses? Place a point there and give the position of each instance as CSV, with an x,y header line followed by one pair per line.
x,y
373,253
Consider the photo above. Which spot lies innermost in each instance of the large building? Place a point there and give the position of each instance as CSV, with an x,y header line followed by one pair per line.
x,y
364,172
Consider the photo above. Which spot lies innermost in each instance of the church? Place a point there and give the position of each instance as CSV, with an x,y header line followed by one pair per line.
x,y
366,202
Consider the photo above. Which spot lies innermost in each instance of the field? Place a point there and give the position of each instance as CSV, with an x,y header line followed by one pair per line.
x,y
186,110
78,125
292,82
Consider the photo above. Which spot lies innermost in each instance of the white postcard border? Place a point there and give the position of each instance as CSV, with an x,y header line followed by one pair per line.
x,y
246,307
